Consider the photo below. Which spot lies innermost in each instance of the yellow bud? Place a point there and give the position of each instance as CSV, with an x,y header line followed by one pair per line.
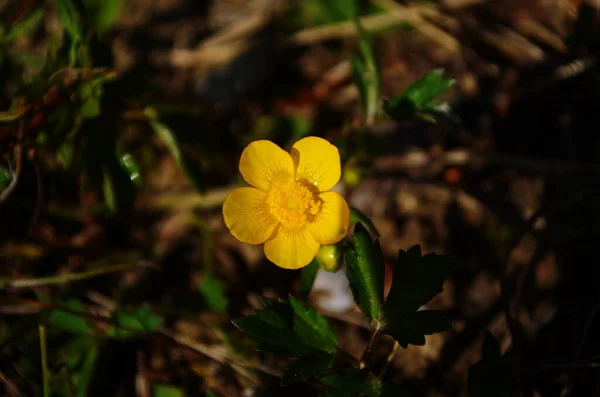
x,y
351,176
329,257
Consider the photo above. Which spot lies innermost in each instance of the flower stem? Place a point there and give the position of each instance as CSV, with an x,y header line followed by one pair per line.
x,y
367,351
43,351
389,360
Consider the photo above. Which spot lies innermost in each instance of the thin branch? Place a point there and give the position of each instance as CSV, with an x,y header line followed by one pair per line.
x,y
186,200
65,278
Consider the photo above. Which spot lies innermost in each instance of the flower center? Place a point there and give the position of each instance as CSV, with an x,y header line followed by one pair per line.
x,y
294,203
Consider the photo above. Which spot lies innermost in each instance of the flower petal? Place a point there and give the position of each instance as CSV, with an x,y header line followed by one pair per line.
x,y
332,222
291,249
246,215
317,161
262,161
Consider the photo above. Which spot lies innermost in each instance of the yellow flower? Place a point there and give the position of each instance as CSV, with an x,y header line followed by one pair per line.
x,y
288,207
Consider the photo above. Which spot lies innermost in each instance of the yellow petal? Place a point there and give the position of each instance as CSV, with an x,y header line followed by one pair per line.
x,y
332,222
291,249
263,161
246,215
317,161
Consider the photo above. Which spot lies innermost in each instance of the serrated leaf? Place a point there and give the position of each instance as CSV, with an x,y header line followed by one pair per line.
x,y
365,272
416,280
288,329
133,321
307,279
419,97
344,383
411,329
25,25
313,328
357,216
491,376
211,289
72,320
307,368
166,391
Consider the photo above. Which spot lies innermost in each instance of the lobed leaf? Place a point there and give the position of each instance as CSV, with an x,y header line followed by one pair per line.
x,y
416,280
288,329
491,376
307,368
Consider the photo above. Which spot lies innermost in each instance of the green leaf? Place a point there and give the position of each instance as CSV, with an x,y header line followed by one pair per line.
x,y
167,136
134,321
102,14
366,74
25,25
80,356
419,97
345,383
64,154
288,329
13,114
166,391
412,328
6,178
312,328
119,191
356,216
68,320
83,377
491,376
319,12
90,108
211,289
132,168
365,272
307,279
71,22
351,383
416,280
307,368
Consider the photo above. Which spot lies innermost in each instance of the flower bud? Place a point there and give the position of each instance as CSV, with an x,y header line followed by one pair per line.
x,y
329,257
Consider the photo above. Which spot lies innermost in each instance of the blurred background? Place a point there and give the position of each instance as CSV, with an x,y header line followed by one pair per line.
x,y
121,127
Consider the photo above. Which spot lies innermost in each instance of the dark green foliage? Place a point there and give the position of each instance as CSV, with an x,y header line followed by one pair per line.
x,y
365,273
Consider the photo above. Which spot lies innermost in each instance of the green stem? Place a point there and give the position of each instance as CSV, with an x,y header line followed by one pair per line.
x,y
64,278
45,373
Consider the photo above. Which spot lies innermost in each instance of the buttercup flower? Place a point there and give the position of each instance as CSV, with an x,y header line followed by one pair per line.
x,y
288,207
